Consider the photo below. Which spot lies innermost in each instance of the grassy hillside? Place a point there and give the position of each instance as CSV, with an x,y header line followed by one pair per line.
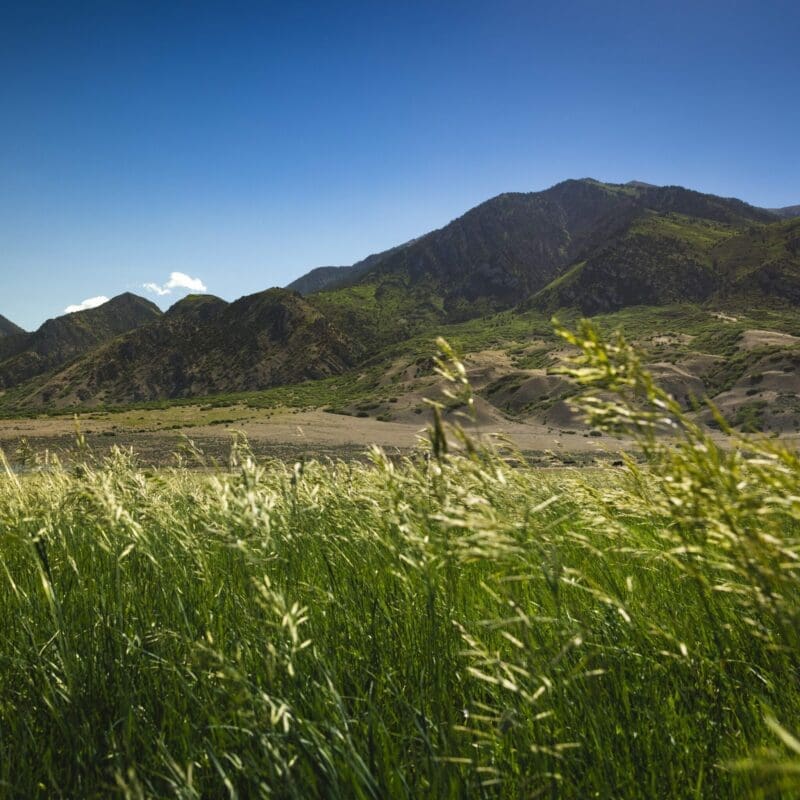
x,y
449,626
745,359
763,262
669,258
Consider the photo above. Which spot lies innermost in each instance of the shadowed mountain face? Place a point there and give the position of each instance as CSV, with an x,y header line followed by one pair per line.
x,y
59,340
789,212
763,263
672,258
323,277
584,244
205,346
514,246
8,328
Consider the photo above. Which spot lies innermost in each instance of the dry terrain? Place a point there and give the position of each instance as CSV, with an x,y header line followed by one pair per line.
x,y
156,435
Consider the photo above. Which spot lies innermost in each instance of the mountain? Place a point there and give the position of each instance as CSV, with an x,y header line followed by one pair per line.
x,y
205,346
659,259
8,328
789,212
762,263
62,339
318,279
673,258
322,278
580,243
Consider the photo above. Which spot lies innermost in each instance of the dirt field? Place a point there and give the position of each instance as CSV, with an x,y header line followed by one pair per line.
x,y
157,435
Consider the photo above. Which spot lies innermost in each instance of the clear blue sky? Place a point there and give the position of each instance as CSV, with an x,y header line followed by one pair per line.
x,y
244,143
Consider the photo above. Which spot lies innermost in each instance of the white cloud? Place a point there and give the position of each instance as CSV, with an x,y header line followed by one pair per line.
x,y
89,302
177,280
155,289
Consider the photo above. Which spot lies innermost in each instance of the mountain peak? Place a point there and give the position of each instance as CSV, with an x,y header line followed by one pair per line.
x,y
200,307
8,328
514,245
63,338
130,300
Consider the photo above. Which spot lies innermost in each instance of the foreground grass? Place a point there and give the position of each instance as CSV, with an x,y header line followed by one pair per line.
x,y
448,626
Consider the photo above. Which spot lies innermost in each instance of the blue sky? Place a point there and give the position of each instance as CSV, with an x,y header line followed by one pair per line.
x,y
241,144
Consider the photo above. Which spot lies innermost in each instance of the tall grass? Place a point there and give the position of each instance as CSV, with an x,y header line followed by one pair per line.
x,y
450,625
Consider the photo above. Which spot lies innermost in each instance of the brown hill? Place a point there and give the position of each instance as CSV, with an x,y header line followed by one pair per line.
x,y
205,346
62,339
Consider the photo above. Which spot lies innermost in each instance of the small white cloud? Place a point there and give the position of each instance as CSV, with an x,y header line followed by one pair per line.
x,y
177,280
89,302
156,289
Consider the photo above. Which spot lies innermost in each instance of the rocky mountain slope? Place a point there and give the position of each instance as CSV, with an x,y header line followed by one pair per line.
x,y
8,328
669,258
204,346
584,244
57,341
788,212
322,278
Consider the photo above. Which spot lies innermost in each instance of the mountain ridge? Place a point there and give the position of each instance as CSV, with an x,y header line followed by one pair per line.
x,y
515,244
8,328
321,278
581,244
61,339
787,212
204,345
531,249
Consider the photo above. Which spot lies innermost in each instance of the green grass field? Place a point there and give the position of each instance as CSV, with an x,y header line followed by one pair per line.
x,y
452,625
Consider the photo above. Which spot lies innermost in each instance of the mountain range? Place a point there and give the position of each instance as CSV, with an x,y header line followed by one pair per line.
x,y
204,345
593,247
596,246
24,356
788,212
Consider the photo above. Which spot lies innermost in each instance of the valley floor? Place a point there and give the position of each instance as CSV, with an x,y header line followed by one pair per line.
x,y
155,436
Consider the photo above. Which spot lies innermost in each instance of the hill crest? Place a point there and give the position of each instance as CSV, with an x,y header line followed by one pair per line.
x,y
205,346
61,339
8,328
